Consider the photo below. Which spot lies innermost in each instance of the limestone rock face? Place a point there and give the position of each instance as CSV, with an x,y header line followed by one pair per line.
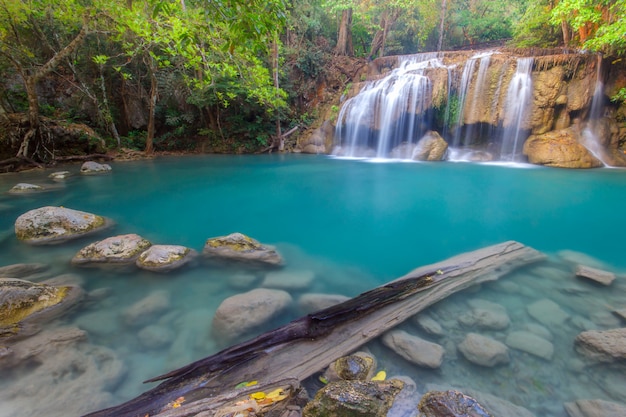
x,y
242,248
414,349
122,249
91,167
354,399
431,147
561,149
243,313
165,258
483,350
602,345
47,225
22,301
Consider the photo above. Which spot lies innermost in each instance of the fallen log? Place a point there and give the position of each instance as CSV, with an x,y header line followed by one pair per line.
x,y
307,345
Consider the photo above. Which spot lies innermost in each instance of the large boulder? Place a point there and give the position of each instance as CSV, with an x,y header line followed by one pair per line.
x,y
118,250
25,188
561,149
431,147
165,258
242,314
91,167
240,248
23,303
354,399
47,225
602,345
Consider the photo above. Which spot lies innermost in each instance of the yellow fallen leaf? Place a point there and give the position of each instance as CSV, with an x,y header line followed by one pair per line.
x,y
277,395
380,376
258,395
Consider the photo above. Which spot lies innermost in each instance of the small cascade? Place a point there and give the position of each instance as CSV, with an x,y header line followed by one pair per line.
x,y
387,112
516,107
479,88
464,86
590,137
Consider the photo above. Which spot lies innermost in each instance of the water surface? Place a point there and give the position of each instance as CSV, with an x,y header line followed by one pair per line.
x,y
355,224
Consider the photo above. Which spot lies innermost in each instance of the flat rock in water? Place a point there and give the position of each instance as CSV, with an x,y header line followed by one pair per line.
x,y
165,258
530,343
240,248
595,408
147,310
483,350
47,225
288,280
621,313
594,274
428,324
122,249
486,315
91,167
22,270
548,313
25,188
242,313
312,302
414,349
60,175
26,302
602,345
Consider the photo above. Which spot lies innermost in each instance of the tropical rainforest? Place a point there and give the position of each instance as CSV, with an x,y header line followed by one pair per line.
x,y
237,76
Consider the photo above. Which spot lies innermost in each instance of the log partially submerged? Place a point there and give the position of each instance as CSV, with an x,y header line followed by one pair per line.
x,y
307,345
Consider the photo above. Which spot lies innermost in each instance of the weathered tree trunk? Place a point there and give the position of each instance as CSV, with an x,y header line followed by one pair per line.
x,y
154,91
279,135
307,345
442,20
380,38
344,38
565,30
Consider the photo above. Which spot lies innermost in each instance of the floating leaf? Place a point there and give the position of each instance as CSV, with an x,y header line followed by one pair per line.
x,y
380,376
258,395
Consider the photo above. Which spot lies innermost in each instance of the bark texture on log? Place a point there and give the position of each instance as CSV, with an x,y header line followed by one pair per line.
x,y
309,344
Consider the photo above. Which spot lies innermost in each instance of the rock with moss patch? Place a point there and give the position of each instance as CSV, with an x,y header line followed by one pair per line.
x,y
25,188
354,399
50,225
116,250
165,258
24,304
238,247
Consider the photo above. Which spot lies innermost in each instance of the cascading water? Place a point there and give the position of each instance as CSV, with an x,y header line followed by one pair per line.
x,y
387,112
590,139
464,86
518,100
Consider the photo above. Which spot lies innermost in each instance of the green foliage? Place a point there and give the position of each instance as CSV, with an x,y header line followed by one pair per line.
x,y
533,30
620,96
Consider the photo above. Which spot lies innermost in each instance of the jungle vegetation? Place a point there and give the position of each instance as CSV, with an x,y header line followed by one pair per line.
x,y
234,75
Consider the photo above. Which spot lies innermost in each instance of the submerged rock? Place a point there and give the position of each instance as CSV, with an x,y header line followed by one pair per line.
x,y
450,404
24,188
595,408
241,248
122,249
312,302
354,399
483,350
359,366
548,313
60,175
594,274
428,324
22,270
602,345
530,343
165,258
91,167
486,315
289,280
414,349
47,225
24,303
242,313
147,310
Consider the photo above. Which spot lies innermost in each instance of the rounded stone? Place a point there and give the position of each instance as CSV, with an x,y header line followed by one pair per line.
x,y
122,249
91,167
240,248
165,258
24,188
483,350
48,225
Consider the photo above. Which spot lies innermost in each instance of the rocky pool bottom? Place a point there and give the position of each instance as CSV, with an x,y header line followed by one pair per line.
x,y
136,324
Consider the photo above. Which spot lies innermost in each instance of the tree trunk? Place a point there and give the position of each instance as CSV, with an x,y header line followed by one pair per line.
x,y
154,90
33,116
279,135
344,38
565,29
442,20
380,38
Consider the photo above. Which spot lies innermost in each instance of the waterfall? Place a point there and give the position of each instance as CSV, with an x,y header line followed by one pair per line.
x,y
387,112
590,139
464,86
516,106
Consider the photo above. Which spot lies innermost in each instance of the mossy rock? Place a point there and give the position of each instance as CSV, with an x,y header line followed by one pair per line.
x,y
241,248
164,258
122,249
23,302
50,225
